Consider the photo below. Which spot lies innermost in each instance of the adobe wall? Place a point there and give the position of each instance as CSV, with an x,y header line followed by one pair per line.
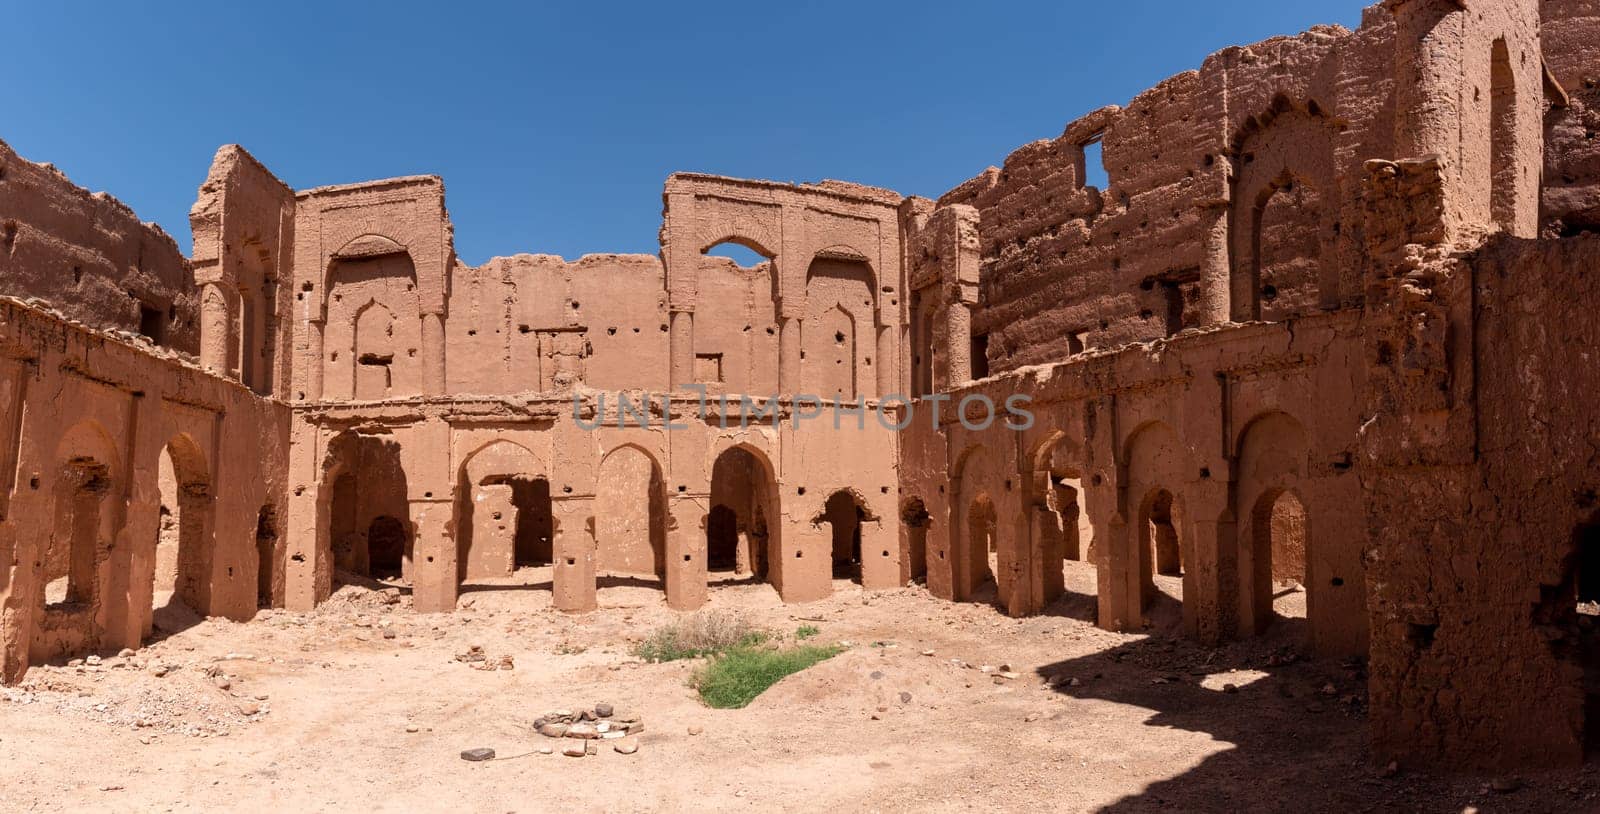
x,y
1222,420
440,467
89,256
243,225
1477,572
1571,40
1316,273
380,253
84,419
1281,125
540,323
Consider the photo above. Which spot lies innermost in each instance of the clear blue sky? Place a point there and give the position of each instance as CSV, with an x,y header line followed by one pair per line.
x,y
554,124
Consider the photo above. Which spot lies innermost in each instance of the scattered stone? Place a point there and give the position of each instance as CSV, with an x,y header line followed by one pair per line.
x,y
1073,682
591,747
876,675
545,750
478,755
125,653
927,652
574,749
1504,785
552,729
603,710
695,729
1392,769
388,634
249,708
626,747
413,728
92,660
1009,676
222,682
583,730
905,697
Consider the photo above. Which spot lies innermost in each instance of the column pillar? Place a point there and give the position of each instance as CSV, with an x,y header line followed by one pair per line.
x,y
215,329
789,362
680,346
880,549
686,555
1207,527
1429,61
958,338
806,557
574,551
433,361
433,556
314,361
22,545
885,362
1216,271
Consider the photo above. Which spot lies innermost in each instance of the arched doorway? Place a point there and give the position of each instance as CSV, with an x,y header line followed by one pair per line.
x,y
974,529
1278,544
742,518
1062,532
183,556
844,514
505,519
631,515
366,480
83,521
1160,549
914,521
1168,556
982,545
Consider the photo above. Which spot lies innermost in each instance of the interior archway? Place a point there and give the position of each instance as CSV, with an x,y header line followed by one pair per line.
x,y
183,550
844,514
630,516
743,519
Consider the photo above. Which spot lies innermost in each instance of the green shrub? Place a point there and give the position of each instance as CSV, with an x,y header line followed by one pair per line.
x,y
705,633
806,631
733,679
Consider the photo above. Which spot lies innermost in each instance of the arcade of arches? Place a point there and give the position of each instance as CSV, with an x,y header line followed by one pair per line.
x,y
1281,368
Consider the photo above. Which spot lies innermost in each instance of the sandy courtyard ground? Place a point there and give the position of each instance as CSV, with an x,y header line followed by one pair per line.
x,y
363,705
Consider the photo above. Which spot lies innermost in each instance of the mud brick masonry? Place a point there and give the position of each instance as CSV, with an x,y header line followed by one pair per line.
x,y
1331,319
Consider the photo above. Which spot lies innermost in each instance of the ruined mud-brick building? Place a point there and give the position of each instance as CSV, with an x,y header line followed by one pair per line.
x,y
1330,320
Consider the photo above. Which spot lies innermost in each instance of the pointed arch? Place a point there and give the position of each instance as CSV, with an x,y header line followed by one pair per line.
x,y
631,513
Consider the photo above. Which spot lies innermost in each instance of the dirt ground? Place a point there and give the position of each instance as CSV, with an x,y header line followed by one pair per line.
x,y
364,705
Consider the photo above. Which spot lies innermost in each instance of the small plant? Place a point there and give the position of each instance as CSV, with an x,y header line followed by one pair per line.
x,y
733,679
705,633
806,632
